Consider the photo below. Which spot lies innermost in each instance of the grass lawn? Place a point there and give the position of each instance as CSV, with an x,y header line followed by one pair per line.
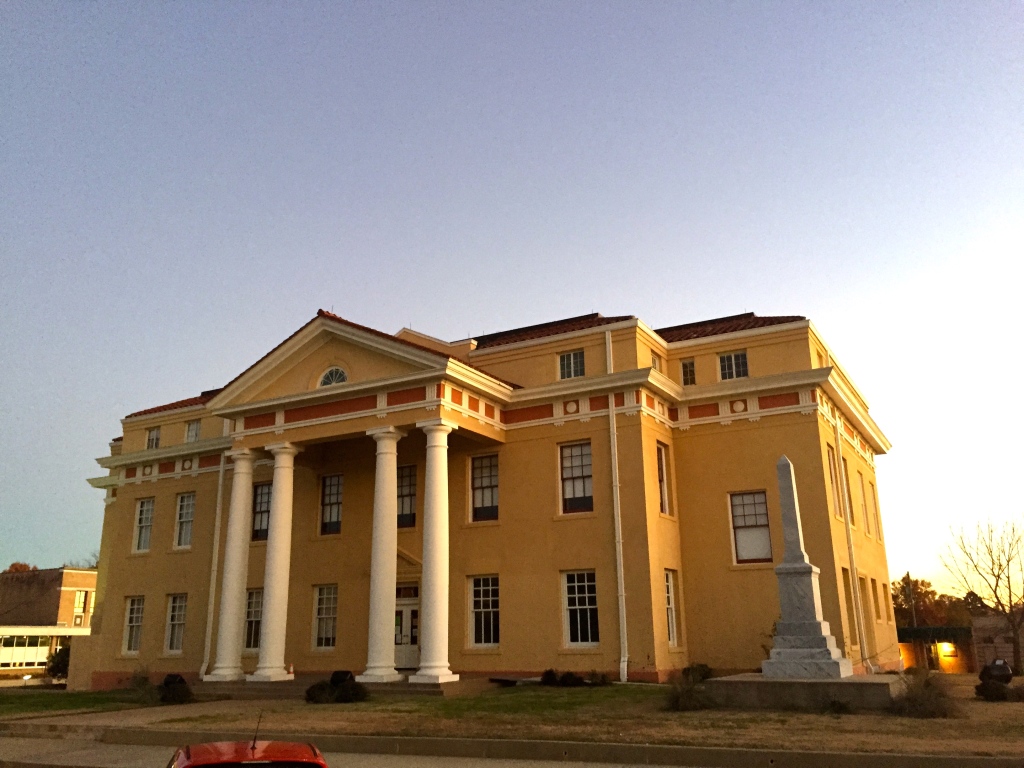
x,y
16,701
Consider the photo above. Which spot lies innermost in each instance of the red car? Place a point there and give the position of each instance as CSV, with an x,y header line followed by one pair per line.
x,y
275,754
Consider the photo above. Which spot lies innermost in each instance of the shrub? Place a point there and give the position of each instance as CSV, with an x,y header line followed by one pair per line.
x,y
598,678
992,690
350,691
924,696
684,695
320,693
549,677
571,680
837,707
340,676
697,673
57,663
146,693
175,690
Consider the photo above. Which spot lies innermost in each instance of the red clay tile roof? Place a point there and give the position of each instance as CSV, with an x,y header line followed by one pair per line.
x,y
530,332
188,402
720,325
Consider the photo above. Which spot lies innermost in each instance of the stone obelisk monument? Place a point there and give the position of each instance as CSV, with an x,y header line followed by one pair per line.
x,y
804,646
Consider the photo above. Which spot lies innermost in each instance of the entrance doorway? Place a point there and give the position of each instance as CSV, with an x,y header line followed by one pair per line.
x,y
407,626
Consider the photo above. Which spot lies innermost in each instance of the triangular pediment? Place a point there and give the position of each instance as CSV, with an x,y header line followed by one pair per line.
x,y
297,365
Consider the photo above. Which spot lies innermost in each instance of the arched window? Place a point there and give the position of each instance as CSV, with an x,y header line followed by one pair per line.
x,y
333,376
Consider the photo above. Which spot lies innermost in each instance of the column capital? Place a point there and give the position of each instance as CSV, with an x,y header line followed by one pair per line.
x,y
386,433
437,425
283,449
239,453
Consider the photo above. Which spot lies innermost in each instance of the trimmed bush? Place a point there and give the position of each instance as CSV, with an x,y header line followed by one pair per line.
x,y
925,696
684,695
175,690
57,663
320,693
697,673
549,677
992,690
341,676
571,680
598,678
350,691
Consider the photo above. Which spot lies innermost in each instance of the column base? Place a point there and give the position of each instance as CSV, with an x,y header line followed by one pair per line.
x,y
379,677
269,676
224,676
430,677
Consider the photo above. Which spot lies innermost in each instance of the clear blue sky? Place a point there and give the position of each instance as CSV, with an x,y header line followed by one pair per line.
x,y
183,184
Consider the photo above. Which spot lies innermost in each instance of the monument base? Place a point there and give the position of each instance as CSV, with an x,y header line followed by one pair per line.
x,y
756,691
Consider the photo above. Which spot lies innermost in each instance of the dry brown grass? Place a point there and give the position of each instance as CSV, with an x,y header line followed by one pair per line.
x,y
630,714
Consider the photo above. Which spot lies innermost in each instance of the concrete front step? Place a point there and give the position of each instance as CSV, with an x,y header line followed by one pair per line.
x,y
296,689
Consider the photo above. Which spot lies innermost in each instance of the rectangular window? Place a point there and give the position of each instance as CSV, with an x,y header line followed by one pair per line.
x,y
484,611
81,599
689,373
570,365
261,511
850,621
253,618
834,477
186,511
864,504
485,488
750,527
874,600
733,365
152,438
666,508
407,497
888,605
655,361
874,509
581,608
330,504
143,524
133,610
176,605
577,481
670,607
847,496
192,431
326,615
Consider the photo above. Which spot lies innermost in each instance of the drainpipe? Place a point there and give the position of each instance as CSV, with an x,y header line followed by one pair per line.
x,y
617,517
214,562
844,491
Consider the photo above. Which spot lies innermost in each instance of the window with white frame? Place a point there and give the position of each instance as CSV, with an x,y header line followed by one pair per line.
x,y
143,524
570,365
689,372
152,438
331,487
333,376
407,497
133,610
484,611
874,510
655,361
176,605
261,511
485,488
183,524
192,431
864,504
847,495
253,618
326,615
577,478
833,474
81,598
581,608
663,499
733,365
750,527
670,607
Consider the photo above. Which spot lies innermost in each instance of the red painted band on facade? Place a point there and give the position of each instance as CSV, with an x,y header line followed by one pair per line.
x,y
650,402
702,411
489,411
403,396
532,413
848,429
166,467
778,401
673,413
620,399
599,403
440,391
457,396
337,408
131,472
474,403
260,420
209,460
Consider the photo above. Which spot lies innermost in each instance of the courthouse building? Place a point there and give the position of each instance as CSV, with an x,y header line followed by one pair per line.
x,y
586,494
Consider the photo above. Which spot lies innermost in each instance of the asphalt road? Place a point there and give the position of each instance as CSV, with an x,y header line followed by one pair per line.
x,y
81,753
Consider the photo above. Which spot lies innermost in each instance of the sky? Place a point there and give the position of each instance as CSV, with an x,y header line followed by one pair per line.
x,y
183,185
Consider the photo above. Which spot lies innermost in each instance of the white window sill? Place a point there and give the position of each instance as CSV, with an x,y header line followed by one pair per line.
x,y
575,515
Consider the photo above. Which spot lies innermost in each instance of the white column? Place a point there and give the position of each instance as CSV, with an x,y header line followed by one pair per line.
x,y
434,587
231,620
380,653
275,578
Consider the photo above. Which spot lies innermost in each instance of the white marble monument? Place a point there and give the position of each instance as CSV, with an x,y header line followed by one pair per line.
x,y
804,646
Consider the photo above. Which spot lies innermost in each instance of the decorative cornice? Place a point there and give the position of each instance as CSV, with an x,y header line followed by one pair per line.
x,y
747,385
212,445
104,482
164,417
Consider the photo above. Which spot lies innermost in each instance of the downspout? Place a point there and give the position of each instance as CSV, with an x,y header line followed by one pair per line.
x,y
844,492
214,562
617,517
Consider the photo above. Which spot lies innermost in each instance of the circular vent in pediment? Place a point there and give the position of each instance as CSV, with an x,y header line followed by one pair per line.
x,y
333,376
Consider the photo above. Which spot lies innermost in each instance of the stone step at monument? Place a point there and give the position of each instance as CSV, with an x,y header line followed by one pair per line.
x,y
823,641
804,654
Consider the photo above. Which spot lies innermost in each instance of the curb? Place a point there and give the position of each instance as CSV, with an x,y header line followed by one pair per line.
x,y
509,749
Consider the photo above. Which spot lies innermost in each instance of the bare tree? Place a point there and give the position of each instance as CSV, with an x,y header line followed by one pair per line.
x,y
990,563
